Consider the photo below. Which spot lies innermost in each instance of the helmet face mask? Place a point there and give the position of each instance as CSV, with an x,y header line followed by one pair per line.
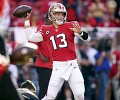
x,y
56,8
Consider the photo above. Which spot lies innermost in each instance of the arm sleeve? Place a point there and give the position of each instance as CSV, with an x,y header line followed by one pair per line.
x,y
84,36
32,36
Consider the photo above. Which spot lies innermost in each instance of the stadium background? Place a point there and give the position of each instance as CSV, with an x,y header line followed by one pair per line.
x,y
100,18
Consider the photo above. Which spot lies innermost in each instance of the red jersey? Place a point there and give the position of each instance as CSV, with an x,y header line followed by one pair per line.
x,y
61,41
115,63
44,48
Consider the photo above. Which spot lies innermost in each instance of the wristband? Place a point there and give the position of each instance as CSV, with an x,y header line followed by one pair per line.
x,y
27,23
81,34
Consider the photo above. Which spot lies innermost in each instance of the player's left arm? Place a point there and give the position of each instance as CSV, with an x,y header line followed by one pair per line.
x,y
79,33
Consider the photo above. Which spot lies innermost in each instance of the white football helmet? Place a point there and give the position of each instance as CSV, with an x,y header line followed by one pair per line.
x,y
57,7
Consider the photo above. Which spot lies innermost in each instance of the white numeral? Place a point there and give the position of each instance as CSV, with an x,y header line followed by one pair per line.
x,y
63,41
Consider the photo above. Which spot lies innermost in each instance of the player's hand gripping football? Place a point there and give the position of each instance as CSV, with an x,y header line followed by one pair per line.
x,y
27,20
27,17
76,27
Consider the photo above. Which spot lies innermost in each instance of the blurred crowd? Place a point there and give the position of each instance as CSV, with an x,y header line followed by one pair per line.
x,y
103,13
99,60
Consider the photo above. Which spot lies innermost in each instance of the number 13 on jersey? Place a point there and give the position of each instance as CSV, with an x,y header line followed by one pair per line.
x,y
63,41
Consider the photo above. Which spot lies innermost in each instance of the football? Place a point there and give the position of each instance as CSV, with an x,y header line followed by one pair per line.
x,y
21,11
23,52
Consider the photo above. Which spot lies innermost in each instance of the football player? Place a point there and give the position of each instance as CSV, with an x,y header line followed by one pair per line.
x,y
43,64
60,36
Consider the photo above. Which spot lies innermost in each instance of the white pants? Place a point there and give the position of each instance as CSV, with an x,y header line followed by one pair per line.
x,y
69,71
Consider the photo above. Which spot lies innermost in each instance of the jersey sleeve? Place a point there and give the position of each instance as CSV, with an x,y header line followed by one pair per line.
x,y
70,25
42,32
32,36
